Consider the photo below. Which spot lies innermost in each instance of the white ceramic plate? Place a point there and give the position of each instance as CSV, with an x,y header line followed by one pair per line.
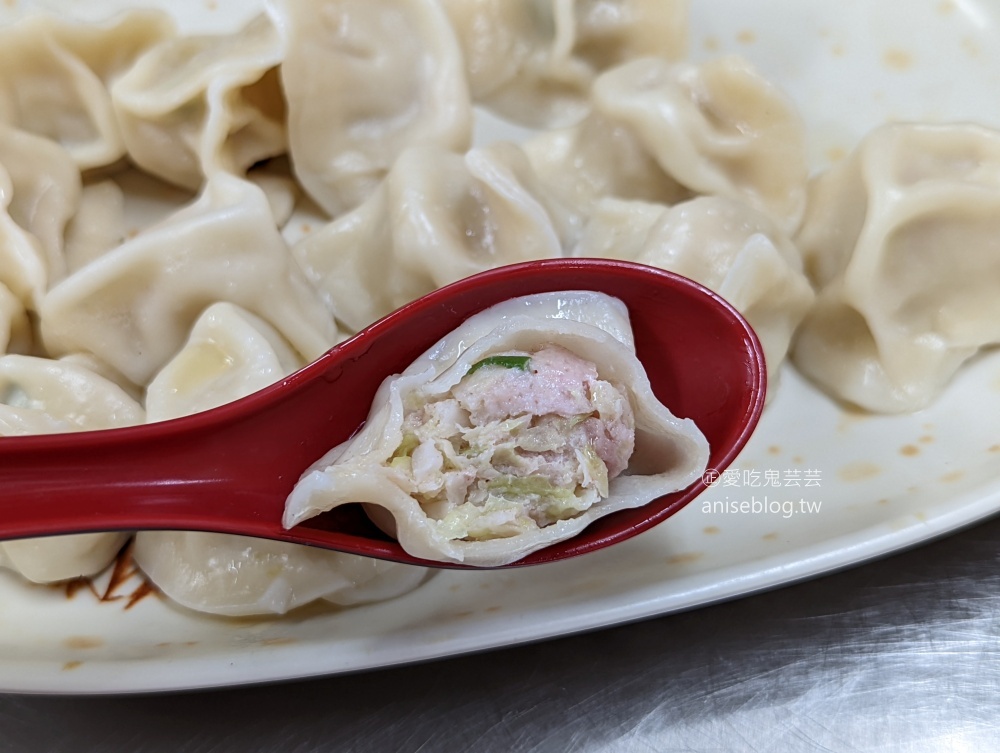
x,y
866,485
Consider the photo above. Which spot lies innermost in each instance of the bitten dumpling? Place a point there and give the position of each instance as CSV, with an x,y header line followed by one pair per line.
x,y
517,430
903,241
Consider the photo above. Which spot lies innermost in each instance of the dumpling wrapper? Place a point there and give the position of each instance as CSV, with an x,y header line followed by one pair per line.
x,y
902,239
42,396
437,217
670,452
229,354
725,245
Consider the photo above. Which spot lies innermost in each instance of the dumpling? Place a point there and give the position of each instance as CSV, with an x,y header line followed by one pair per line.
x,y
903,241
15,327
232,353
365,79
195,105
717,129
237,576
41,396
54,77
98,225
517,430
722,244
45,193
438,217
533,61
133,306
600,159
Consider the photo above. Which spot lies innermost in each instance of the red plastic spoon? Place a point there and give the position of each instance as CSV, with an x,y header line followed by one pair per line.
x,y
230,469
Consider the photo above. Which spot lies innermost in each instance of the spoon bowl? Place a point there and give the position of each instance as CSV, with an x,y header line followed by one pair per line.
x,y
229,470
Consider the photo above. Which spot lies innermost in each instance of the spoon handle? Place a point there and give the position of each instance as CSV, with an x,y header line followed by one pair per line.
x,y
145,476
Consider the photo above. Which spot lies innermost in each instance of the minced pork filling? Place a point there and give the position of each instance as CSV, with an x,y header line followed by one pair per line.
x,y
525,439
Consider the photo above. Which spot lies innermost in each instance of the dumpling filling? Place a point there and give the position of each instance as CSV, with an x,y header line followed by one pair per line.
x,y
522,441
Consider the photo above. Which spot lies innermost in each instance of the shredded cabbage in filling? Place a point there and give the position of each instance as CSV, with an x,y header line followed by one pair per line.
x,y
524,440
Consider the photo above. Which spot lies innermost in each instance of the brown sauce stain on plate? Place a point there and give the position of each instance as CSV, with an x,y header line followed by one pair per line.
x,y
710,530
909,450
896,59
70,665
279,641
685,558
123,570
971,48
953,476
746,36
83,642
859,471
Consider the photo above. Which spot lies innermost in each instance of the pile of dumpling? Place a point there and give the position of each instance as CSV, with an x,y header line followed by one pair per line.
x,y
880,273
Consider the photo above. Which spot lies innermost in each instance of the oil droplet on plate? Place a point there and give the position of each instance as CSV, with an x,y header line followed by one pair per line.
x,y
83,641
685,558
896,59
859,471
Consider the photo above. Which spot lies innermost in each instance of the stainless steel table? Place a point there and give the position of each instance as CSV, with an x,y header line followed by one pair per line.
x,y
899,654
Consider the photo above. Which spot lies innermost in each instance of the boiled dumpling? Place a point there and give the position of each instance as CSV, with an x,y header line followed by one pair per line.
x,y
719,129
528,422
600,159
229,353
365,79
133,306
98,225
232,353
533,61
903,242
237,576
722,244
438,217
54,76
195,105
41,396
15,328
45,193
